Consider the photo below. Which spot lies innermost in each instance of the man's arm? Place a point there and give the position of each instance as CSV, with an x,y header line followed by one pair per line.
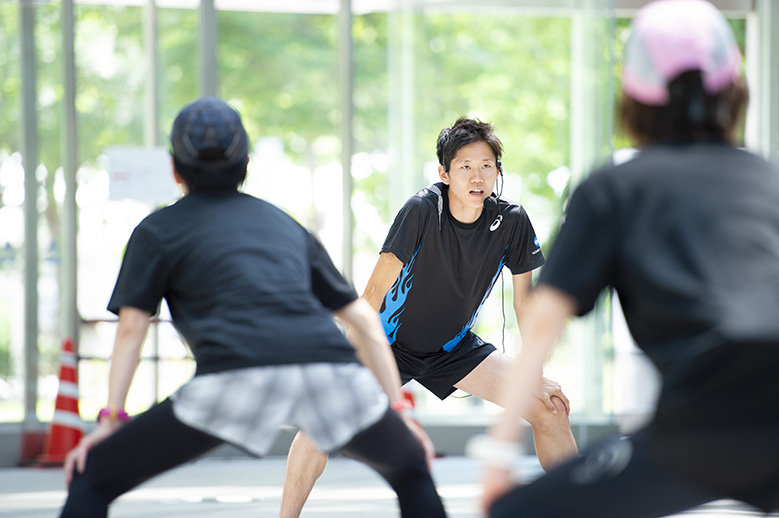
x,y
522,299
130,334
377,355
369,341
543,323
367,336
384,275
522,283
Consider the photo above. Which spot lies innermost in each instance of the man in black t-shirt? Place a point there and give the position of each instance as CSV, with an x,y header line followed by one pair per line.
x,y
440,260
687,234
254,295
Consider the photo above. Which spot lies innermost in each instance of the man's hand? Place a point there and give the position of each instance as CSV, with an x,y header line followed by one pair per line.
x,y
77,457
496,482
548,389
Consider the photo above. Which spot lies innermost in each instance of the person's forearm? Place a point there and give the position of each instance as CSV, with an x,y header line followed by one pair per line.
x,y
384,275
543,321
124,362
377,356
367,336
130,334
523,295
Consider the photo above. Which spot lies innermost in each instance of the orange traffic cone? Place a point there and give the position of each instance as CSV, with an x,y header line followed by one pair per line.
x,y
66,427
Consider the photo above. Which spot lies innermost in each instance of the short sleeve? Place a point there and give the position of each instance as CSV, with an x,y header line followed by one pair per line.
x,y
406,230
524,252
581,260
142,279
327,283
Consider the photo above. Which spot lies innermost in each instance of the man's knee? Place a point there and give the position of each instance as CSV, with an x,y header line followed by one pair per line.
x,y
542,419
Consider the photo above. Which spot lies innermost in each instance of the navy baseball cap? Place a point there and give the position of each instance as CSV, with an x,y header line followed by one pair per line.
x,y
209,132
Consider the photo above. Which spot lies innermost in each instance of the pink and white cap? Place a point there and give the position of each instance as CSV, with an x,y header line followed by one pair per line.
x,y
670,37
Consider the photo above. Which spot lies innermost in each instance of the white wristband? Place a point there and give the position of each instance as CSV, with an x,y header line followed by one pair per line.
x,y
494,452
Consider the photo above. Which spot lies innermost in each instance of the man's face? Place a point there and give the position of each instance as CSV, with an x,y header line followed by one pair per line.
x,y
471,178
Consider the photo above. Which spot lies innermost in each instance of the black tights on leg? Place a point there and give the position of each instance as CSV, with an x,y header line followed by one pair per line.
x,y
150,444
389,448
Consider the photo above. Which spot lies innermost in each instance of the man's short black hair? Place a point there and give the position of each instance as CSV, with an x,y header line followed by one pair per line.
x,y
209,145
463,132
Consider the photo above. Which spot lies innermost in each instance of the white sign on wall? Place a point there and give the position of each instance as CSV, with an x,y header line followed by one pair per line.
x,y
141,174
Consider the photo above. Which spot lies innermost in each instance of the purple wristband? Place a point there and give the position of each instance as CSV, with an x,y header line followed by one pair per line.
x,y
114,414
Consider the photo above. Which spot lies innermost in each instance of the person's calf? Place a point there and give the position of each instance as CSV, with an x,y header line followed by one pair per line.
x,y
305,464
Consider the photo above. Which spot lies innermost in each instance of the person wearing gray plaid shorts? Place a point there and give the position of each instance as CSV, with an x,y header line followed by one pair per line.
x,y
254,295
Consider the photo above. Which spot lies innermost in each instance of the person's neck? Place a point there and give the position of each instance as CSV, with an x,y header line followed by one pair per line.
x,y
461,212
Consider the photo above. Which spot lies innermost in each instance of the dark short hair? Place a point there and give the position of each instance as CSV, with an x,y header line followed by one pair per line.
x,y
463,132
691,114
209,145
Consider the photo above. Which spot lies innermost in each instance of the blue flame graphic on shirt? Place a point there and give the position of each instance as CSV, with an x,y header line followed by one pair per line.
x,y
395,300
448,346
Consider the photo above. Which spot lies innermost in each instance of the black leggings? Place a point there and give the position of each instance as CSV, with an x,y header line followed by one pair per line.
x,y
156,441
613,479
389,448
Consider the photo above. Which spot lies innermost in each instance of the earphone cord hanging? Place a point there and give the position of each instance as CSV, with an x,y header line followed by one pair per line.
x,y
503,311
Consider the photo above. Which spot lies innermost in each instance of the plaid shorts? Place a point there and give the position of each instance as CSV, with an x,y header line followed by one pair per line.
x,y
330,403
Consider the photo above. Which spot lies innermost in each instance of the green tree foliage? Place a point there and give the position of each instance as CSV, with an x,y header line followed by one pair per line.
x,y
511,70
179,74
282,71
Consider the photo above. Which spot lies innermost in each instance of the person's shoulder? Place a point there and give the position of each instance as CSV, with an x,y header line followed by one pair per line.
x,y
247,200
619,168
617,164
751,158
429,196
511,209
428,200
161,214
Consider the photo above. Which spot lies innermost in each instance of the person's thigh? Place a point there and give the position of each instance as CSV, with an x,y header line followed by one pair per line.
x,y
445,372
613,479
150,444
485,380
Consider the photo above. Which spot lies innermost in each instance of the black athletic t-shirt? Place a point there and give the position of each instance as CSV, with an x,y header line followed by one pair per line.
x,y
688,236
450,267
245,283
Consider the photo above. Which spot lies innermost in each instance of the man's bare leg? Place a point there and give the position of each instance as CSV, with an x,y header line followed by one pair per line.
x,y
305,465
554,442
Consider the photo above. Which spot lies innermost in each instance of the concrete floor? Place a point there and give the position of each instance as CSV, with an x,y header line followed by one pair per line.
x,y
242,487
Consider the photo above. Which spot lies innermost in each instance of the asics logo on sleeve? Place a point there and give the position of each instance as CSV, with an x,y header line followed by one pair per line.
x,y
538,247
496,223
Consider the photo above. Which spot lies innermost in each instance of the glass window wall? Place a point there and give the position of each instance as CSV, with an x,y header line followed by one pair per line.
x,y
544,77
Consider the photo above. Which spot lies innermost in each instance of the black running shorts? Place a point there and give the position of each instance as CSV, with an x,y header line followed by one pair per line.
x,y
440,371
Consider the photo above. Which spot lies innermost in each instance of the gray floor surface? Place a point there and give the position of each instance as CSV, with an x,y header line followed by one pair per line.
x,y
242,488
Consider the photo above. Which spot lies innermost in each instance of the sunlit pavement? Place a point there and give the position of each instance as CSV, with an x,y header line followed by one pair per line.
x,y
241,487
